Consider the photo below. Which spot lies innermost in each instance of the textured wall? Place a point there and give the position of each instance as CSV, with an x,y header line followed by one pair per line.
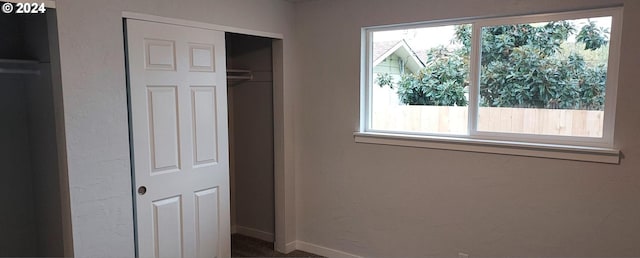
x,y
388,201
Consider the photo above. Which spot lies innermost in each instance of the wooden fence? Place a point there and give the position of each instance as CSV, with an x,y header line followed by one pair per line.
x,y
435,119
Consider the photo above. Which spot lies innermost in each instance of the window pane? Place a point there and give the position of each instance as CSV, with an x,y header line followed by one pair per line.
x,y
545,78
420,80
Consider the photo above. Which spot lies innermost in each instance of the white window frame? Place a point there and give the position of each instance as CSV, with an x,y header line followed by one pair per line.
x,y
593,145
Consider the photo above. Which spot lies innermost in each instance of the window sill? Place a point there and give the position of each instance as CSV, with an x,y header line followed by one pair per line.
x,y
565,152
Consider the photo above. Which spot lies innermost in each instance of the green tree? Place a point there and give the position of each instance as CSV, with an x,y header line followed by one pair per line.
x,y
521,66
440,83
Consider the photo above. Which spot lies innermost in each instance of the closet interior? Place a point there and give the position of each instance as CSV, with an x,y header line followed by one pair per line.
x,y
251,135
31,218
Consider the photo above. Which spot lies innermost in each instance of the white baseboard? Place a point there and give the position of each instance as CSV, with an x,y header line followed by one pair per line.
x,y
321,250
252,232
289,247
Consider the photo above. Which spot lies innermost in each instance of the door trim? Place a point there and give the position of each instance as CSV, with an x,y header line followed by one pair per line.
x,y
284,179
195,24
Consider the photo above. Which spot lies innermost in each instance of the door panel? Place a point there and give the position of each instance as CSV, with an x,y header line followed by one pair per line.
x,y
160,54
201,57
206,221
167,227
163,128
178,108
205,146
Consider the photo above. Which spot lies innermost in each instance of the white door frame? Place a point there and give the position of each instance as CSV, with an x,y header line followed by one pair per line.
x,y
283,171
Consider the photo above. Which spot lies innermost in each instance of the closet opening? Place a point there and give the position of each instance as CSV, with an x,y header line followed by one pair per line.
x,y
31,221
251,143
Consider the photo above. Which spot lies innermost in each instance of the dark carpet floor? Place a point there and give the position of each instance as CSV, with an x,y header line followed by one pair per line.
x,y
244,246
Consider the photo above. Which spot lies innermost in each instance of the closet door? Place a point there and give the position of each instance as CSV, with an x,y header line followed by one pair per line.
x,y
178,110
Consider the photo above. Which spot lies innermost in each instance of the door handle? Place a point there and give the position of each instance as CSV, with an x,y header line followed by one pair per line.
x,y
142,190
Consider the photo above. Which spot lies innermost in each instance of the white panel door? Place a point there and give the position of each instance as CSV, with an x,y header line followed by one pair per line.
x,y
178,109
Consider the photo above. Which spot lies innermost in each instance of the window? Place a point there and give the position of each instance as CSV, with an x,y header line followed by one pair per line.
x,y
547,79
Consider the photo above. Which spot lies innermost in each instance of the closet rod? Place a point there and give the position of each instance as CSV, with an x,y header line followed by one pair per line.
x,y
19,71
233,77
239,74
238,71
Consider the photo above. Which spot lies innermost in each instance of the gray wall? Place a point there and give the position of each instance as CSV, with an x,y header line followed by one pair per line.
x,y
251,133
95,108
389,201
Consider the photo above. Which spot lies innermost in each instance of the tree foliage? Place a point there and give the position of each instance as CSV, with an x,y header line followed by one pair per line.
x,y
441,83
521,66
